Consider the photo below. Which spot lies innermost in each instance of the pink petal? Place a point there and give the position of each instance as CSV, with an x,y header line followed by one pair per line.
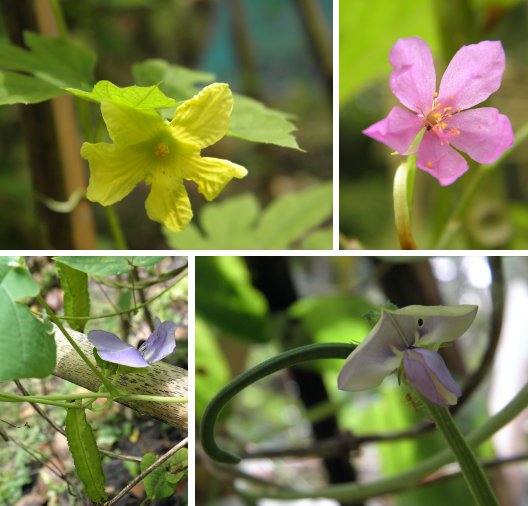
x,y
474,73
484,133
397,130
440,160
413,79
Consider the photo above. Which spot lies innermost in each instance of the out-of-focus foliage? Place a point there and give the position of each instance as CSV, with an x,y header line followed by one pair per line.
x,y
227,299
241,224
364,46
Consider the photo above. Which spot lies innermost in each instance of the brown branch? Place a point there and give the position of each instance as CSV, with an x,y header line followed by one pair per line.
x,y
140,477
320,39
160,379
52,142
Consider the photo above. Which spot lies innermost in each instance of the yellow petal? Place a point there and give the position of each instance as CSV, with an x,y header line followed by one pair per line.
x,y
204,119
114,171
210,174
168,202
128,126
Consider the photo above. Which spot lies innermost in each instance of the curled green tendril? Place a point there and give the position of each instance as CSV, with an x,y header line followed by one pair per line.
x,y
274,364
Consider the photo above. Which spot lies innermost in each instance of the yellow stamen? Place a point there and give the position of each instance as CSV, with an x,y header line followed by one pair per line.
x,y
429,165
162,150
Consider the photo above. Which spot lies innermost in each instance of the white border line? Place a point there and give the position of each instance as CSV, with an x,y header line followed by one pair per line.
x,y
335,125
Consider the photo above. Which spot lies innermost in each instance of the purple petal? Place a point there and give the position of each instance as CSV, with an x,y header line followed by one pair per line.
x,y
484,133
397,130
474,73
426,371
112,349
440,160
160,344
413,80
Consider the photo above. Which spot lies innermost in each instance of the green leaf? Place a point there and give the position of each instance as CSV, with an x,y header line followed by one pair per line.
x,y
56,61
177,82
26,347
162,482
291,216
76,294
253,121
231,228
368,30
211,367
21,89
238,223
319,239
142,98
226,298
85,453
333,318
107,266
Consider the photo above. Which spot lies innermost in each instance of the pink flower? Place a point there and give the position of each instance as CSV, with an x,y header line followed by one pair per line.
x,y
474,73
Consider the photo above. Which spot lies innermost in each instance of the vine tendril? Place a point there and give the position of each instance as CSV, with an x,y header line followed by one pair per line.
x,y
270,366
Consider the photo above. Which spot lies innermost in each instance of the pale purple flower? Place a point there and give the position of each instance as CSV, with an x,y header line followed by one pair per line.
x,y
160,344
409,338
474,73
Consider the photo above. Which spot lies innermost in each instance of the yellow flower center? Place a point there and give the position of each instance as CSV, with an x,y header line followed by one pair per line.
x,y
161,150
438,121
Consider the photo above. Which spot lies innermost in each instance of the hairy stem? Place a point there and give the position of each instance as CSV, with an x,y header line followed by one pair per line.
x,y
108,385
476,480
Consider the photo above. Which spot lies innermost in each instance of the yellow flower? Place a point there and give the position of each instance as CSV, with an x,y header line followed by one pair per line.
x,y
146,147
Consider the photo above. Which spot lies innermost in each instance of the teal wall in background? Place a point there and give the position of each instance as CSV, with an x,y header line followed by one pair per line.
x,y
282,51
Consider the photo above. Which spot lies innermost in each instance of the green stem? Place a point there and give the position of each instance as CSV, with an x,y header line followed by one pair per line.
x,y
403,197
95,395
473,474
59,19
126,311
6,397
274,364
354,492
115,228
53,317
454,223
347,492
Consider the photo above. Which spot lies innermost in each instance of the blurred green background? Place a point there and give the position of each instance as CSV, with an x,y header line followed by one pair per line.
x,y
263,49
498,215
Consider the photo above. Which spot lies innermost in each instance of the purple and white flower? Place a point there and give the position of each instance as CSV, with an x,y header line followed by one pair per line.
x,y
410,338
112,349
